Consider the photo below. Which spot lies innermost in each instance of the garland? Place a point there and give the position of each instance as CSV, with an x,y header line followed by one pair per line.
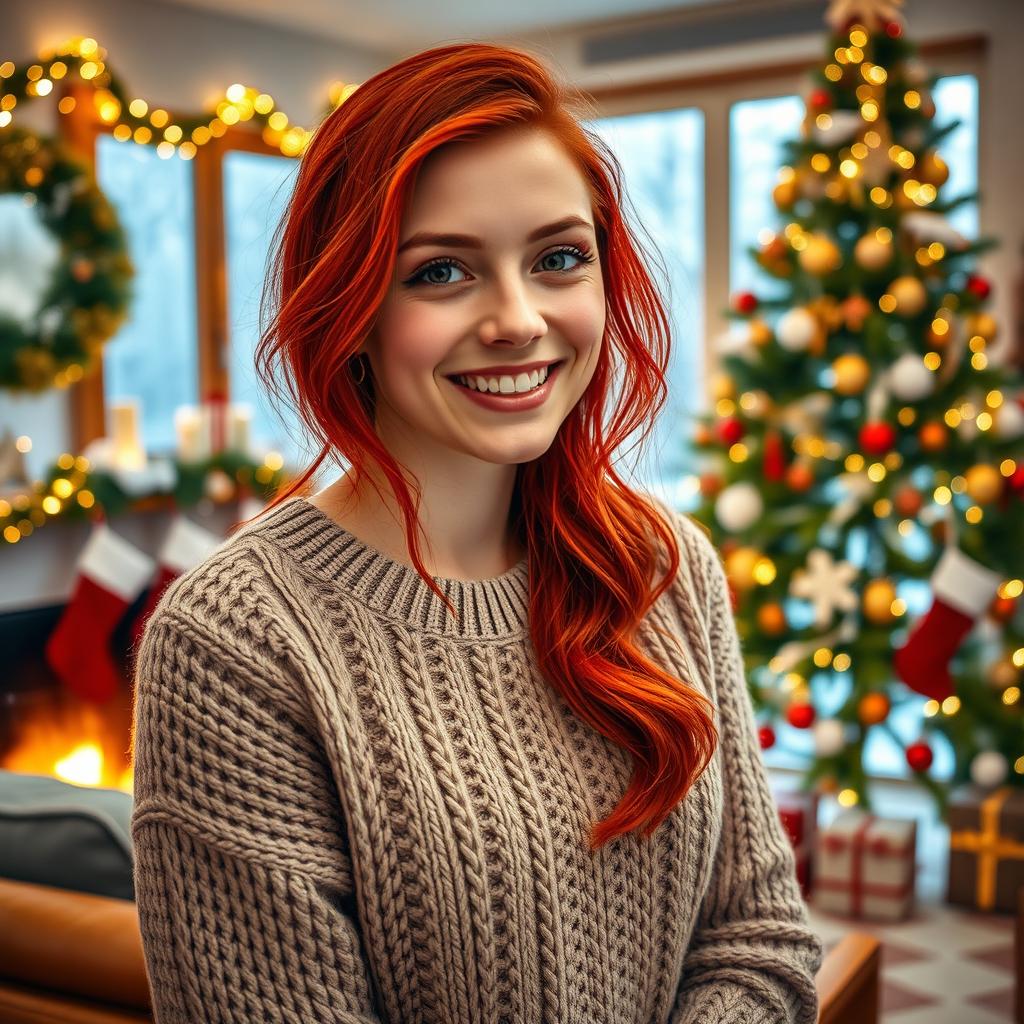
x,y
73,490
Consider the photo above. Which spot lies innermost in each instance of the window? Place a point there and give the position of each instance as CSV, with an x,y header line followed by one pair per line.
x,y
256,190
154,356
757,130
662,159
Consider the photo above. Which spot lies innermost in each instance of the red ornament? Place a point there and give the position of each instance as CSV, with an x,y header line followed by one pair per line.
x,y
745,302
877,437
711,484
919,756
774,456
1002,609
893,29
766,734
800,716
979,287
820,99
731,429
1017,481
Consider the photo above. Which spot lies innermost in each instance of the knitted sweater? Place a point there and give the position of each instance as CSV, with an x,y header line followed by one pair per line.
x,y
350,807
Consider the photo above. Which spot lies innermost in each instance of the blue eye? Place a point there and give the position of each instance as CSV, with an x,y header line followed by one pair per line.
x,y
444,263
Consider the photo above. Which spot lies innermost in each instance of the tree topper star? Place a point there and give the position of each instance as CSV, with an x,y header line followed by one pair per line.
x,y
872,14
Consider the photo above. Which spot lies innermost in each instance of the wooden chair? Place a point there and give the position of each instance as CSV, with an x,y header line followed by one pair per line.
x,y
848,981
77,958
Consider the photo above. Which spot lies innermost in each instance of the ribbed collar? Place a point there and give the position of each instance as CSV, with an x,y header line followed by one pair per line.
x,y
497,607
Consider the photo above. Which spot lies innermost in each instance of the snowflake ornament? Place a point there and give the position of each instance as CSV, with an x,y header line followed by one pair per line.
x,y
872,14
826,583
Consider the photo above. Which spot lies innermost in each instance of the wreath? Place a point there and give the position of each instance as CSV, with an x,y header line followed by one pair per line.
x,y
87,295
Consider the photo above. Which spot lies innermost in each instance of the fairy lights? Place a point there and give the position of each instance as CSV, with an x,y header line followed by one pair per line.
x,y
133,120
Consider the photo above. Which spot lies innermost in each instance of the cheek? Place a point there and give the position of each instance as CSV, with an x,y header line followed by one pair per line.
x,y
581,318
415,337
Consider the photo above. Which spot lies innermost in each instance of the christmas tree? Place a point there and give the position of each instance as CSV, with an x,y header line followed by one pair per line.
x,y
863,449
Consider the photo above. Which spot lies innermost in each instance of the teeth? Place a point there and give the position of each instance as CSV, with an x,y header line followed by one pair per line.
x,y
507,385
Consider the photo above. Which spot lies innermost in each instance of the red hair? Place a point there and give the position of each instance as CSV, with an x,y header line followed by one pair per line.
x,y
586,532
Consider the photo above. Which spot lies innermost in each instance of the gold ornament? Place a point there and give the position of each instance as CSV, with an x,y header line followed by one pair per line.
x,y
1003,673
933,436
878,598
855,310
852,373
821,255
785,194
983,325
739,567
931,169
760,332
910,295
723,386
984,483
873,253
873,708
771,619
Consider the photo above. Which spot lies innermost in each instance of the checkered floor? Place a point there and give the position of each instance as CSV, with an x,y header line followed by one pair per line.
x,y
944,964
939,967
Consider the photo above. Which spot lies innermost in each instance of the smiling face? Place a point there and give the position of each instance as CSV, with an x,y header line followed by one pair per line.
x,y
514,298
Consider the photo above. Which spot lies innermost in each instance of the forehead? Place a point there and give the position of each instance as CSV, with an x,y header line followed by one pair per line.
x,y
500,177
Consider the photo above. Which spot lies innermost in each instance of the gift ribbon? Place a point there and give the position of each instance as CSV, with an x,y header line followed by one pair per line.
x,y
989,845
857,851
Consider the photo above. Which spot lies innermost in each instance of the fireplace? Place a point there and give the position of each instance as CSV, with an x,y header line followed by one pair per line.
x,y
45,728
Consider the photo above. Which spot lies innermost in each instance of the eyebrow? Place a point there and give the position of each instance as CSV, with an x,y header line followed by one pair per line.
x,y
471,242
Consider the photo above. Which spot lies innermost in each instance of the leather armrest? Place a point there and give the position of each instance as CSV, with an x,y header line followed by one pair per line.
x,y
75,943
848,981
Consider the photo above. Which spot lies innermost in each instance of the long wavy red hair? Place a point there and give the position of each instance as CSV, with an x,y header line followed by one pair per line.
x,y
588,535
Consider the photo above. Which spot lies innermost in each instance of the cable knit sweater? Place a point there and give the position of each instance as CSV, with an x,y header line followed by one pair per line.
x,y
351,808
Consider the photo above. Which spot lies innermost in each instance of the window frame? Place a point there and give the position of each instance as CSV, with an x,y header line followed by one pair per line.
x,y
80,130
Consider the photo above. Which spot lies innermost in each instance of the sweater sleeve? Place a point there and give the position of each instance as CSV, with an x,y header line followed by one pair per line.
x,y
753,957
243,881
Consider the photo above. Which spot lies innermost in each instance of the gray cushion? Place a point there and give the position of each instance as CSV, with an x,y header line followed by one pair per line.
x,y
71,837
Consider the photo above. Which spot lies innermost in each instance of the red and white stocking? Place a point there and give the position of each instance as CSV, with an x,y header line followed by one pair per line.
x,y
110,576
961,592
186,545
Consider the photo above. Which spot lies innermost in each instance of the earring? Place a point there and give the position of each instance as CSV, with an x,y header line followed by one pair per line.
x,y
362,366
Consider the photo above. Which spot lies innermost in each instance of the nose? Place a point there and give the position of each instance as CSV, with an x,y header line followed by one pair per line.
x,y
512,316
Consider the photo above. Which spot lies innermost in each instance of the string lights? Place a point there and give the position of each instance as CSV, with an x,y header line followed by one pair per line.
x,y
135,119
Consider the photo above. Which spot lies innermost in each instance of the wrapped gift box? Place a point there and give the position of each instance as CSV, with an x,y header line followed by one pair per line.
x,y
798,812
864,866
986,847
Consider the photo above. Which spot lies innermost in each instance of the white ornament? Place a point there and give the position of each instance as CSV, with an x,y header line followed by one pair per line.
x,y
1009,420
796,329
829,737
739,506
841,127
736,341
910,379
926,226
989,769
968,429
826,583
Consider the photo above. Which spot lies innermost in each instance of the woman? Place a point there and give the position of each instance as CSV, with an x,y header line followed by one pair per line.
x,y
517,780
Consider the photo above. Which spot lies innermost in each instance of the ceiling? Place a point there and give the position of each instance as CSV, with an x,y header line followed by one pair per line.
x,y
395,25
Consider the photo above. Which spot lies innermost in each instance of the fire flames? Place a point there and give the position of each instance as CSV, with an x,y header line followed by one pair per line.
x,y
55,733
